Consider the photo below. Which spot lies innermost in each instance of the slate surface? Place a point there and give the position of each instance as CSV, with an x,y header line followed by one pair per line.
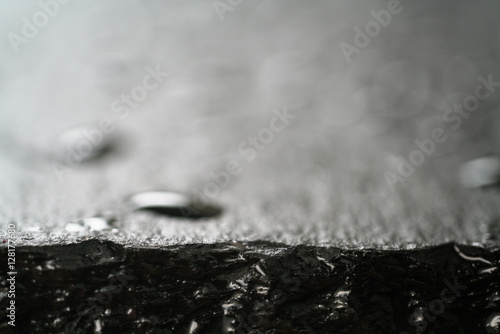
x,y
316,189
320,180
257,287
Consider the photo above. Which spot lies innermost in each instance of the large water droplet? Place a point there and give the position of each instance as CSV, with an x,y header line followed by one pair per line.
x,y
480,172
172,204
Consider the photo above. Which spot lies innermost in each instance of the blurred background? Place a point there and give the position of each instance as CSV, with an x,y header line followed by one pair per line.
x,y
359,100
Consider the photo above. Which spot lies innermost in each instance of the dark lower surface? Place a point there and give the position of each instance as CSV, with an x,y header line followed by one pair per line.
x,y
258,287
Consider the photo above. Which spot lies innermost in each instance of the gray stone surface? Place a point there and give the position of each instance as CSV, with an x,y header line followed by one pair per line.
x,y
333,206
321,180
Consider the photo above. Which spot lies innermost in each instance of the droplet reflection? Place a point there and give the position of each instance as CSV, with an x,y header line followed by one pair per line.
x,y
172,204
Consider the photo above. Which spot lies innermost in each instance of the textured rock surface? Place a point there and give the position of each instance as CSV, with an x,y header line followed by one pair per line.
x,y
258,287
322,242
320,181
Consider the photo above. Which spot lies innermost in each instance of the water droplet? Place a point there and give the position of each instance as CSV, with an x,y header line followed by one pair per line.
x,y
259,269
480,172
83,143
107,312
232,286
333,316
340,299
227,325
263,290
96,223
242,283
192,327
172,204
97,326
412,302
342,293
228,306
50,265
89,223
73,227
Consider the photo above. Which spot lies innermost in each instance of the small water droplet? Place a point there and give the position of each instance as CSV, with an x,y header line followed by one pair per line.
x,y
97,326
192,327
342,293
50,265
232,286
228,306
263,290
97,223
259,269
74,227
107,312
227,325
412,302
333,316
172,204
227,322
242,283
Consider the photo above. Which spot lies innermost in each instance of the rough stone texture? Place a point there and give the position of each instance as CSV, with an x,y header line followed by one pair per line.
x,y
318,187
256,287
320,181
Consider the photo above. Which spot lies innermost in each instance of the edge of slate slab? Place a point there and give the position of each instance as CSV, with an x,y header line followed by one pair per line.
x,y
252,287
